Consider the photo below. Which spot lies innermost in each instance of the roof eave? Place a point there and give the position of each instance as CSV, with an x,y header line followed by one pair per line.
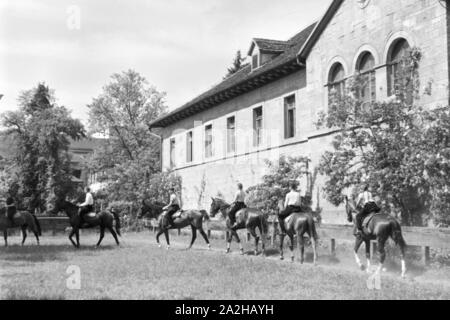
x,y
318,29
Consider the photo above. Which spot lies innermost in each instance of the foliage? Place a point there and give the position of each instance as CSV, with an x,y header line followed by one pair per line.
x,y
397,147
41,133
131,155
276,184
237,64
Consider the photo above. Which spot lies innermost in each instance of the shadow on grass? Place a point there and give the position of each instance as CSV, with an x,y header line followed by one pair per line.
x,y
45,253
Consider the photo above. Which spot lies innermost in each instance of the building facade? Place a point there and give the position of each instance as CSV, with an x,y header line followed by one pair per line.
x,y
269,108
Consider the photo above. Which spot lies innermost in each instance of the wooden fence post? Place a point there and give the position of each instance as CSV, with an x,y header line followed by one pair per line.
x,y
333,247
425,255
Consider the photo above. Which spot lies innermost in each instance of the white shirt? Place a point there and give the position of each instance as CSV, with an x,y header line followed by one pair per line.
x,y
364,198
174,199
240,196
293,198
89,201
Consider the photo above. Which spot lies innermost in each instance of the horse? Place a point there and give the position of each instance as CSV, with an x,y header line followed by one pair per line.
x,y
181,220
299,224
378,227
104,220
24,220
246,218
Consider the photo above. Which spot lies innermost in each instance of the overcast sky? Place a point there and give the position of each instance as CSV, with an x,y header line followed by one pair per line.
x,y
183,47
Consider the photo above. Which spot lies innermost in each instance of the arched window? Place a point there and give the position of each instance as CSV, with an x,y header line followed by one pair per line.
x,y
397,52
366,67
336,80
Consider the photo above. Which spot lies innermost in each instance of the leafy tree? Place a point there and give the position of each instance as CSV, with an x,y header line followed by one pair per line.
x,y
41,133
131,155
276,184
237,64
398,147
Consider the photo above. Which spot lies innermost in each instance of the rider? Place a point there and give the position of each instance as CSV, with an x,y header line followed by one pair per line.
x,y
172,208
239,204
88,204
367,203
292,204
10,207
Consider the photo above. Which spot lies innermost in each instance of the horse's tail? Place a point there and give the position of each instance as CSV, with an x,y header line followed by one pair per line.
x,y
38,225
312,228
264,224
397,235
205,215
117,219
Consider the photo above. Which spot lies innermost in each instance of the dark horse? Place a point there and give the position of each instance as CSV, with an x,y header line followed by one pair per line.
x,y
377,227
181,220
23,220
104,220
246,218
299,224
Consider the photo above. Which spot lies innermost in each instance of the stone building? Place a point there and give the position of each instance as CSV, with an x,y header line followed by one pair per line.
x,y
270,106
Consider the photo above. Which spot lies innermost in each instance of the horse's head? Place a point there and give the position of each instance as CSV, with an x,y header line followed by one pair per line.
x,y
216,205
349,208
152,210
55,207
280,205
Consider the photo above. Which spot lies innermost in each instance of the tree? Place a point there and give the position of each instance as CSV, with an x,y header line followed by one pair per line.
x,y
131,155
41,133
397,147
237,64
276,184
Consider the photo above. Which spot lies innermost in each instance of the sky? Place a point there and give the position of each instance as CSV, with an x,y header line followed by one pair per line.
x,y
183,47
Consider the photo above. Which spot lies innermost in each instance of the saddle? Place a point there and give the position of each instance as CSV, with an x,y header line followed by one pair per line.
x,y
176,215
366,221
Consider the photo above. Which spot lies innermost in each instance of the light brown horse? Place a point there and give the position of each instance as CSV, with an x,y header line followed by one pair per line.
x,y
246,218
24,220
379,227
192,218
298,224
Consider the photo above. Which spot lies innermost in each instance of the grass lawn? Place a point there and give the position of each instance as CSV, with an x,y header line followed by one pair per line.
x,y
138,269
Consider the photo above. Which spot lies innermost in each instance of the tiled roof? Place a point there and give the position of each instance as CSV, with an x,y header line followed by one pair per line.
x,y
243,81
269,45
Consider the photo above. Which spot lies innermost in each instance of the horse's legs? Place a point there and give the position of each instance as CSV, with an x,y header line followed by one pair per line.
x,y
160,232
36,234
70,237
166,234
254,235
102,235
194,236
313,244
114,234
382,252
204,235
263,239
291,247
238,240
5,236
368,244
301,246
77,236
282,235
24,234
358,243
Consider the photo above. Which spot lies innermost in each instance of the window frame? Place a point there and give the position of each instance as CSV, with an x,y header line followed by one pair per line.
x,y
231,145
172,148
257,131
290,134
190,147
211,141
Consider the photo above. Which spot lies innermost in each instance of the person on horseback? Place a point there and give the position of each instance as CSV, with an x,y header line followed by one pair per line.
x,y
366,202
239,204
87,206
172,208
292,204
10,207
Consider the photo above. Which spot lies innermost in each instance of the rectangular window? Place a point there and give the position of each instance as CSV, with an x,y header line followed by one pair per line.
x,y
289,117
231,135
257,126
255,61
208,141
189,147
172,153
